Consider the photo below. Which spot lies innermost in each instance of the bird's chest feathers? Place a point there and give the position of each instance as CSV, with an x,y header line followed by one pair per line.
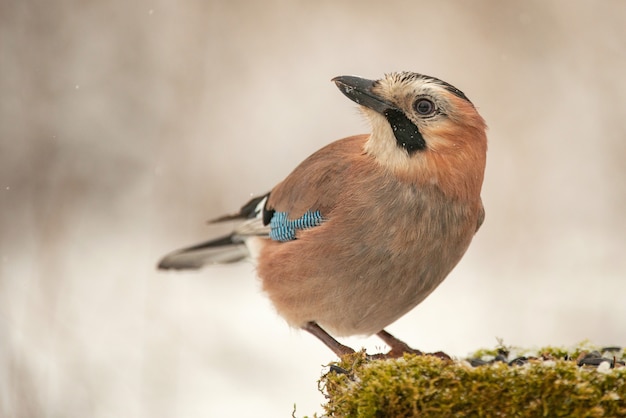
x,y
400,220
422,218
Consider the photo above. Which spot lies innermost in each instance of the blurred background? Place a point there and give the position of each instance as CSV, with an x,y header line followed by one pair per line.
x,y
125,125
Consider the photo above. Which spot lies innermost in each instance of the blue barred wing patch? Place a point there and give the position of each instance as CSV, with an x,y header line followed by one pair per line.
x,y
284,229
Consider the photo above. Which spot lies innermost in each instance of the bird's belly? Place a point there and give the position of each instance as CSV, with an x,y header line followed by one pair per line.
x,y
376,296
363,286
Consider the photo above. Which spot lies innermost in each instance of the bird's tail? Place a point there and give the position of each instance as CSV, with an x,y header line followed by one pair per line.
x,y
226,249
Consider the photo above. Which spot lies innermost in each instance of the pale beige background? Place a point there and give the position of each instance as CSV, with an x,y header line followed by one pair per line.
x,y
125,125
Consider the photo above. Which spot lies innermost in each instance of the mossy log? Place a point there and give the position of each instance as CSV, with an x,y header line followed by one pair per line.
x,y
550,382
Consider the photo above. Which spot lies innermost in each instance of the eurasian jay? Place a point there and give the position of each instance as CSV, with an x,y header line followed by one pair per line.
x,y
368,226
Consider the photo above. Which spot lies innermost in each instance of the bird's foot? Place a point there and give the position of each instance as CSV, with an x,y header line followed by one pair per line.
x,y
394,353
440,354
339,349
399,348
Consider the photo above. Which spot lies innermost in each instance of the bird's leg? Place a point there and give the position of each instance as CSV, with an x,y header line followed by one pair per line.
x,y
333,344
398,347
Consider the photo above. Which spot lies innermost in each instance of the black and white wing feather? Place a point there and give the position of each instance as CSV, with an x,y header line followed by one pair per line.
x,y
226,249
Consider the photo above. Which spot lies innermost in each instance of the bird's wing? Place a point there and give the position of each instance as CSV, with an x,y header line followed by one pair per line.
x,y
316,185
253,215
250,210
299,202
226,249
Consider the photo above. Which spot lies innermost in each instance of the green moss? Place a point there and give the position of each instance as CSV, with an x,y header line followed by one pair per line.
x,y
426,386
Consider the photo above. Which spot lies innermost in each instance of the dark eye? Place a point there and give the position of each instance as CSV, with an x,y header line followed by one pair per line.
x,y
424,107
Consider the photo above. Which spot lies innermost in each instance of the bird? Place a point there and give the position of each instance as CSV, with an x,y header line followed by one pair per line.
x,y
364,229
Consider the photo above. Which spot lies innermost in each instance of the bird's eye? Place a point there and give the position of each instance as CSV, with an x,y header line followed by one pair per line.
x,y
424,107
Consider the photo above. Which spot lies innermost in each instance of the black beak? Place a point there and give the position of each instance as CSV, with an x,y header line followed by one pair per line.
x,y
360,91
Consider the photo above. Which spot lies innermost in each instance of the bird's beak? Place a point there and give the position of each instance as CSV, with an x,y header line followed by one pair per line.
x,y
360,91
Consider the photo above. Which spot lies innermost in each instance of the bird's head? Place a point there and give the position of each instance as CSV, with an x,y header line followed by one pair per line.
x,y
423,128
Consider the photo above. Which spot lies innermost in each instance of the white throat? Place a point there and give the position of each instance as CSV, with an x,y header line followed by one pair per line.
x,y
382,143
